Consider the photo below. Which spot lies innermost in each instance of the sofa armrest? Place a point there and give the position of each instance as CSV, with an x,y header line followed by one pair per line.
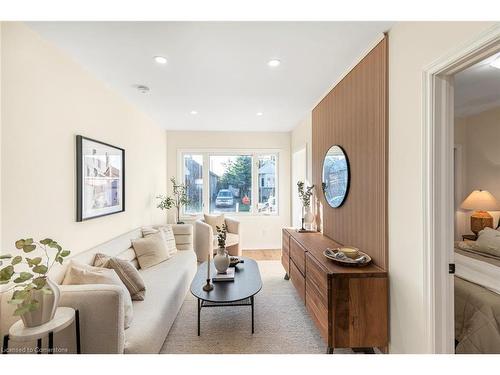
x,y
101,316
233,226
203,240
183,234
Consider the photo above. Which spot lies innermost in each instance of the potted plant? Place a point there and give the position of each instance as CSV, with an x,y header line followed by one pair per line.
x,y
180,199
35,296
221,260
305,194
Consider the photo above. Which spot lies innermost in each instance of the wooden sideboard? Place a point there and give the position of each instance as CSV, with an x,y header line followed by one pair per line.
x,y
349,305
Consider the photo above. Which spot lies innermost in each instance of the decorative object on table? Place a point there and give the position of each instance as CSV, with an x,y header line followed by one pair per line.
x,y
221,260
63,318
208,287
180,199
100,179
480,201
35,296
305,198
233,261
224,276
335,176
339,256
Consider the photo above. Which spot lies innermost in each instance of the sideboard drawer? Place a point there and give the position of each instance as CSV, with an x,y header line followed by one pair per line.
x,y
298,281
298,255
318,310
316,277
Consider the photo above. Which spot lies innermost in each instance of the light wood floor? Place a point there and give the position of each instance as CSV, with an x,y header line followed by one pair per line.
x,y
268,254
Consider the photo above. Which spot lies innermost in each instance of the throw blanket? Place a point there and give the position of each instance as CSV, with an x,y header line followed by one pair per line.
x,y
477,318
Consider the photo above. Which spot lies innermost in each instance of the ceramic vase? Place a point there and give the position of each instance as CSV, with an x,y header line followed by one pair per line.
x,y
47,305
221,260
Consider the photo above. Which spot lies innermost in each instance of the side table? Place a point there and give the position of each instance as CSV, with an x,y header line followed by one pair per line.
x,y
63,318
470,237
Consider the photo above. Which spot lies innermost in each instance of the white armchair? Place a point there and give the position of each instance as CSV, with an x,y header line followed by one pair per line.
x,y
206,240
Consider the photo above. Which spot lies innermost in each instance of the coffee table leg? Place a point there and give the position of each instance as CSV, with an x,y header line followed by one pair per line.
x,y
51,342
251,298
77,327
5,344
39,346
199,311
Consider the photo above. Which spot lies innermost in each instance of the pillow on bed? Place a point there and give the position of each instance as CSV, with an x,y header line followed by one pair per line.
x,y
488,242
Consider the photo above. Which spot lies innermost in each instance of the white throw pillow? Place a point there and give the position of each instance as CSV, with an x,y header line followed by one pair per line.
x,y
215,221
151,249
488,242
82,274
168,235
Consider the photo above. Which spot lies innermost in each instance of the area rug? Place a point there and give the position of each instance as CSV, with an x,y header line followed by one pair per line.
x,y
282,324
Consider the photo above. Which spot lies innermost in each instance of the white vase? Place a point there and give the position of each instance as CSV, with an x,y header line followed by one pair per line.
x,y
221,260
308,217
47,306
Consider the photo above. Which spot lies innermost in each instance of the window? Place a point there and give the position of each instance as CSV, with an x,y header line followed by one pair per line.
x,y
243,183
230,183
267,187
193,179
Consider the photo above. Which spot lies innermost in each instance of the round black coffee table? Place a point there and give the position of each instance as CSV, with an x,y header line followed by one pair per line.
x,y
240,292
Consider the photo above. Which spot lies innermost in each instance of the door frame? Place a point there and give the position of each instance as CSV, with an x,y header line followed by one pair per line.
x,y
437,189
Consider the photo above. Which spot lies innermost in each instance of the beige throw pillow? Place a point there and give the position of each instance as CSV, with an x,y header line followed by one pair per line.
x,y
151,250
168,235
82,274
215,221
127,273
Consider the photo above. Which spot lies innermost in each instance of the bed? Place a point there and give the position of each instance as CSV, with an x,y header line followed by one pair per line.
x,y
477,300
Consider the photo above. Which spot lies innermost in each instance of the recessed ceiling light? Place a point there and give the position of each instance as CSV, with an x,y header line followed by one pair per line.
x,y
259,113
194,112
496,63
160,59
142,89
274,63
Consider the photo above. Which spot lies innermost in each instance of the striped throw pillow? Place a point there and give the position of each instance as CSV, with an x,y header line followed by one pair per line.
x,y
127,273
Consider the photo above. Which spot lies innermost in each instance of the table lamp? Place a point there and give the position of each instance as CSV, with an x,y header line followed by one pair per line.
x,y
480,201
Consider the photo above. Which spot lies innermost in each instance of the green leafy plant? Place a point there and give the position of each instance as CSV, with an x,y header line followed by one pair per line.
x,y
305,194
180,198
221,235
26,282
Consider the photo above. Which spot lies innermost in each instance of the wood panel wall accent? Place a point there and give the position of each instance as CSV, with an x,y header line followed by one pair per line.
x,y
354,115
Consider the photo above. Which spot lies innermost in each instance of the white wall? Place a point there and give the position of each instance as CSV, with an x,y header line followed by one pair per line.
x,y
258,232
47,100
300,138
479,137
412,46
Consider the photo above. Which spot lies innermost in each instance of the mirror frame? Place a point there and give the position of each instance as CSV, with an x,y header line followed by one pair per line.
x,y
348,176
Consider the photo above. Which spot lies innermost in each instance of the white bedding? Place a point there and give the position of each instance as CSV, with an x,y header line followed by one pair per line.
x,y
475,271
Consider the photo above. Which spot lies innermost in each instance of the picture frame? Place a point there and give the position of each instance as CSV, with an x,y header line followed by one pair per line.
x,y
100,179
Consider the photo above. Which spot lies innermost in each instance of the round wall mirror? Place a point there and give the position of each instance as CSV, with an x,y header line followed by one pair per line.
x,y
335,176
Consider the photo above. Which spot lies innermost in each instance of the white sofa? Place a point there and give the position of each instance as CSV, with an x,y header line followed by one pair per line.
x,y
206,239
101,306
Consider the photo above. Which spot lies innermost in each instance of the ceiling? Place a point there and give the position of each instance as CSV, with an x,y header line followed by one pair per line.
x,y
477,88
218,69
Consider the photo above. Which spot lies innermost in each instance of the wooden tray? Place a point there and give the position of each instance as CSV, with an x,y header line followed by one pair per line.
x,y
348,262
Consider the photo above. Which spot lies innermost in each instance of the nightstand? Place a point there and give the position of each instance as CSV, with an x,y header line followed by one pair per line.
x,y
470,237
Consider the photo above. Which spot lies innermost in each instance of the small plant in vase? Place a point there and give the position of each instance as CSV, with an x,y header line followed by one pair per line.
x,y
305,194
221,260
35,296
180,199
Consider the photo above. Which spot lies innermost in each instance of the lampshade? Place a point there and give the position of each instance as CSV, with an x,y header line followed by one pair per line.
x,y
480,200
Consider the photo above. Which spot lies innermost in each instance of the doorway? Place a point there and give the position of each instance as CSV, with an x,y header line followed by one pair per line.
x,y
438,190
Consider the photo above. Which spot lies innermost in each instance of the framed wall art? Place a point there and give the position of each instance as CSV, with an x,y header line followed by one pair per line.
x,y
100,179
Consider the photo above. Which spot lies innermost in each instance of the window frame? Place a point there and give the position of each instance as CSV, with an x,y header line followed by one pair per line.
x,y
206,153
